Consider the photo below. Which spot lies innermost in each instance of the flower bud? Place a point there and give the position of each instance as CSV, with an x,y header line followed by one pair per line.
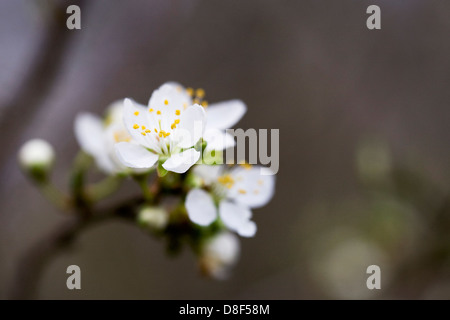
x,y
36,157
219,254
153,217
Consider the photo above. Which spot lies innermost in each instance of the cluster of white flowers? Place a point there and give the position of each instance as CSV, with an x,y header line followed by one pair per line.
x,y
171,135
235,191
165,131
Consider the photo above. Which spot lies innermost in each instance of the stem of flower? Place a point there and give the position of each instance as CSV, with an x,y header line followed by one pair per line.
x,y
81,164
141,179
54,195
103,188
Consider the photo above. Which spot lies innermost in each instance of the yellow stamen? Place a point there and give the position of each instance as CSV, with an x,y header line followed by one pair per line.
x,y
246,165
151,110
173,126
135,126
242,191
204,104
184,106
190,91
121,136
226,180
200,93
156,130
166,102
196,101
143,133
177,121
148,131
177,112
136,113
158,112
143,127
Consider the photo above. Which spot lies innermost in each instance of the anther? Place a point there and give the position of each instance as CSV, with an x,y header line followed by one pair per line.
x,y
200,93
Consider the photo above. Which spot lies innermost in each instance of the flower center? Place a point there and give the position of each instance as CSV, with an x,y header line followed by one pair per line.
x,y
121,136
226,180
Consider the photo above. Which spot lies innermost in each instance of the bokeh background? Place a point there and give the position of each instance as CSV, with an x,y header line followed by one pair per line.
x,y
364,128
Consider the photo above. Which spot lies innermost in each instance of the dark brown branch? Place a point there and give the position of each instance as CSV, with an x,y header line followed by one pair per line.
x,y
40,77
35,259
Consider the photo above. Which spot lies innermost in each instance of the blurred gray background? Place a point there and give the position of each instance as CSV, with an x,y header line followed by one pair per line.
x,y
309,68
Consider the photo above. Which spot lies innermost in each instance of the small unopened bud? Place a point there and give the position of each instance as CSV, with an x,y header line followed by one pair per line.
x,y
36,157
153,217
219,255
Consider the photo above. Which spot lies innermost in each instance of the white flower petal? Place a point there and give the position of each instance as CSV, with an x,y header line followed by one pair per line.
x,y
173,92
200,207
191,127
114,113
106,164
134,117
89,133
252,186
218,139
114,134
181,162
167,103
208,173
248,229
135,156
237,218
224,115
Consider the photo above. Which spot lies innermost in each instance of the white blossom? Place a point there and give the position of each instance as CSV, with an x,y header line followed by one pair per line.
x,y
236,191
167,130
219,116
97,137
